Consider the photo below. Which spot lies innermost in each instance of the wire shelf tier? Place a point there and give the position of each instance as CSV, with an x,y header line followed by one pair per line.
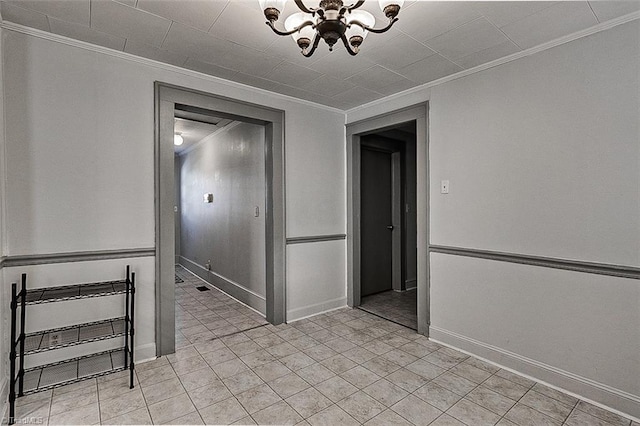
x,y
65,372
76,291
74,370
74,335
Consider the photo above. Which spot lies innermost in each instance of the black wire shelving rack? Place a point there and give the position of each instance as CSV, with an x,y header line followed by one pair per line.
x,y
48,376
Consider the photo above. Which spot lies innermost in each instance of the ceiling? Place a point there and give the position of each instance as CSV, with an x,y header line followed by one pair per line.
x,y
195,128
229,39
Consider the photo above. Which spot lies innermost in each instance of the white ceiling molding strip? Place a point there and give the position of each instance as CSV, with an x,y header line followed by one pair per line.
x,y
156,64
528,52
161,65
210,137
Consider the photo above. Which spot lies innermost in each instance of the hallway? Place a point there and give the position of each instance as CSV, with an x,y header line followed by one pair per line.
x,y
345,367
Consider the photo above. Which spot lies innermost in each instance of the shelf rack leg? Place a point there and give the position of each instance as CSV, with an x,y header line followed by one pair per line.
x,y
132,333
12,355
126,319
23,313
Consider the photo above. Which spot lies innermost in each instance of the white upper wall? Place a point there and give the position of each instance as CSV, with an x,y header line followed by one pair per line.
x,y
542,153
80,149
547,160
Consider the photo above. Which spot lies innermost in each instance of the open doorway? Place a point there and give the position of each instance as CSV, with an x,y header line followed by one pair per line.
x,y
388,274
172,102
220,226
387,217
220,186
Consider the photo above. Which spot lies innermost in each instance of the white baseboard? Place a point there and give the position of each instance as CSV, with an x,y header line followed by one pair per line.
x,y
318,308
145,352
234,289
599,394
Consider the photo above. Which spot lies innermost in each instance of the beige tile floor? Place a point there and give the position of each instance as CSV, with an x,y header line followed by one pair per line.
x,y
345,367
400,307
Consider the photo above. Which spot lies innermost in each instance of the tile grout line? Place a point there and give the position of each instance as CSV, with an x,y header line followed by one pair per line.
x,y
326,323
185,391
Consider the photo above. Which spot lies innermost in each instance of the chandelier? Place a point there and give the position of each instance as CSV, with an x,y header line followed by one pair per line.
x,y
331,21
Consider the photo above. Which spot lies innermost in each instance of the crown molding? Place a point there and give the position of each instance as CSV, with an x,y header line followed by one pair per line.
x,y
173,68
45,35
210,137
506,59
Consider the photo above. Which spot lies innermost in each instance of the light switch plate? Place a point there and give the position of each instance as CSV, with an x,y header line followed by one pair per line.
x,y
444,187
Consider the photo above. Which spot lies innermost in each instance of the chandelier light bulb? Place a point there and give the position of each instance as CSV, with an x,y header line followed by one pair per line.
x,y
391,7
304,35
356,30
332,21
178,139
272,8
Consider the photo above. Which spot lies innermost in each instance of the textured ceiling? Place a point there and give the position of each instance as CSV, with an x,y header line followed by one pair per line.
x,y
229,39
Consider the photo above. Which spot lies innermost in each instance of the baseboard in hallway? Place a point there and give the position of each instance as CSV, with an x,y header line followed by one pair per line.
x,y
185,270
232,289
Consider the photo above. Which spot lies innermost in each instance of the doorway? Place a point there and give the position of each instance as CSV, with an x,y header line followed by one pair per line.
x,y
388,224
377,190
168,100
220,204
387,233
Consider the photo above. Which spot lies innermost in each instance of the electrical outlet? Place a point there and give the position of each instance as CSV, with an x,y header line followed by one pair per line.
x,y
55,339
444,187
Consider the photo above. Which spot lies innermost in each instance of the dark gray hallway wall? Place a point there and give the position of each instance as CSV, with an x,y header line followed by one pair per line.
x,y
231,166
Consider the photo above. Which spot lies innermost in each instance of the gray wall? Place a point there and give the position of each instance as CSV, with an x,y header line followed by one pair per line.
x,y
231,165
543,158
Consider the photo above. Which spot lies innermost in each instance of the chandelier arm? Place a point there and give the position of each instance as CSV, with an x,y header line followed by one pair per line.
x,y
375,30
286,33
351,51
304,8
316,40
355,5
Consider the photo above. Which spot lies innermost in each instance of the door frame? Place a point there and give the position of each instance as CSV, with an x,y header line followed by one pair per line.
x,y
354,131
166,97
